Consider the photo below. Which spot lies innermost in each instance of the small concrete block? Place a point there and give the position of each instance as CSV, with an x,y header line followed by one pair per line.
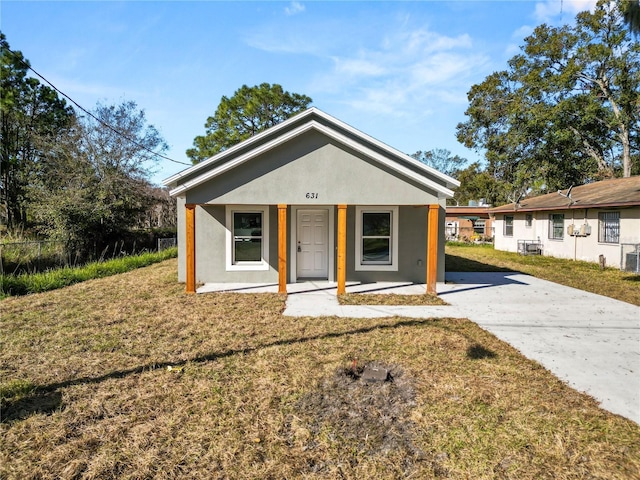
x,y
375,374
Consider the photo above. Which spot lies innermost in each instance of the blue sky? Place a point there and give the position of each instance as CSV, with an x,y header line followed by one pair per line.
x,y
399,71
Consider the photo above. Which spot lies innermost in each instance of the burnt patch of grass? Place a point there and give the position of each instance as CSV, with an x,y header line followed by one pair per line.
x,y
371,419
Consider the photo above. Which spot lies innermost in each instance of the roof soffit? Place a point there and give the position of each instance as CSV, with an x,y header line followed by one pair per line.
x,y
262,143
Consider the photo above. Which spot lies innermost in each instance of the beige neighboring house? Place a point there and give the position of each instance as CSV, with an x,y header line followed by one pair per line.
x,y
311,198
592,222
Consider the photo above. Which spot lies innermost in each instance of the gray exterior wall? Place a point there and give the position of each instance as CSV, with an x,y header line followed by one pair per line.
x,y
309,170
311,164
412,248
181,238
211,248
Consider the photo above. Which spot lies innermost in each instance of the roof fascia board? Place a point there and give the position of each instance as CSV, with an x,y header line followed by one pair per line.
x,y
564,207
354,131
297,118
241,159
330,133
231,150
387,162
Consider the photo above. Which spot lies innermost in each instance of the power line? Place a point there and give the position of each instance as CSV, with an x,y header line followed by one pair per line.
x,y
109,126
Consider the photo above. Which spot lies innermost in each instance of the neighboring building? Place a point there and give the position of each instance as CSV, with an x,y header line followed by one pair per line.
x,y
582,223
311,198
471,222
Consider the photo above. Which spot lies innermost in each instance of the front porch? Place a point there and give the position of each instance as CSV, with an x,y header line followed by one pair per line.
x,y
288,245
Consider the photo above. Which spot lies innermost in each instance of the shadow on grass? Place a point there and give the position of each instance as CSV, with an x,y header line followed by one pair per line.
x,y
453,263
478,352
632,278
47,398
41,401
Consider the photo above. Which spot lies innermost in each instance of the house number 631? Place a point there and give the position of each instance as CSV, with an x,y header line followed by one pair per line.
x,y
312,195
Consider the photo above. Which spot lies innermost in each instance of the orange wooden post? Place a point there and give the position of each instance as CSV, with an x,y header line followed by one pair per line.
x,y
342,249
191,248
432,248
282,248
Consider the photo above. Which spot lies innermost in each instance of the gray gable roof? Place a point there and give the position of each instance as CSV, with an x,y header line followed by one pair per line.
x,y
313,120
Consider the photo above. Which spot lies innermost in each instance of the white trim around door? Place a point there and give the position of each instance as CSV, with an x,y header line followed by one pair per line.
x,y
330,240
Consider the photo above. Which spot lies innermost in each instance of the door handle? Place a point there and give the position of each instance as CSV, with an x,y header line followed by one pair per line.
x,y
299,249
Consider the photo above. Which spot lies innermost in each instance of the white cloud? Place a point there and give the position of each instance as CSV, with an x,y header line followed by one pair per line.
x,y
406,73
294,8
401,71
523,32
358,67
548,10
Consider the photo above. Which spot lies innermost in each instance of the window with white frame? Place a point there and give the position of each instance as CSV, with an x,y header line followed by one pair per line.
x,y
508,225
247,238
556,226
609,227
376,238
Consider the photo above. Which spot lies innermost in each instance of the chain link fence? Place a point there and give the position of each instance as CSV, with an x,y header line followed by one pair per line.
x,y
17,257
38,256
164,243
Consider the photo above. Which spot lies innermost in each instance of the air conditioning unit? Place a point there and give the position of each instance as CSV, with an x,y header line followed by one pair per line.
x,y
630,261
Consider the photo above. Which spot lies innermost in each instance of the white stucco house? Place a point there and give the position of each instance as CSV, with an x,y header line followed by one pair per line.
x,y
583,223
310,198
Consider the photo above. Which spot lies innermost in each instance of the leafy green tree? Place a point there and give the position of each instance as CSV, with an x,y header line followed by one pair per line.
x,y
93,186
441,159
631,13
249,111
477,183
565,111
32,118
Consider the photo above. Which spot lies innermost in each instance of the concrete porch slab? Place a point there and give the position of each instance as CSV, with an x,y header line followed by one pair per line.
x,y
317,286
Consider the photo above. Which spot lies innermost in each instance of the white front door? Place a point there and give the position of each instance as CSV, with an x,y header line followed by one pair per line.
x,y
312,260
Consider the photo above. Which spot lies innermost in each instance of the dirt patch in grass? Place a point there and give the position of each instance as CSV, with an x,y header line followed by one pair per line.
x,y
371,417
128,377
389,299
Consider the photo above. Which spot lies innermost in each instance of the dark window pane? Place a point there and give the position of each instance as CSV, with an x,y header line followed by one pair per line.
x,y
376,224
248,250
609,231
508,226
247,224
556,226
376,250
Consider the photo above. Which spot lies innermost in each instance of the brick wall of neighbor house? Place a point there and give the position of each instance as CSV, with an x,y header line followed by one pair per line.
x,y
468,222
587,248
464,229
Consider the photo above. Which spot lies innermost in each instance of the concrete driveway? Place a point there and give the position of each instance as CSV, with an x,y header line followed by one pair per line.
x,y
590,341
